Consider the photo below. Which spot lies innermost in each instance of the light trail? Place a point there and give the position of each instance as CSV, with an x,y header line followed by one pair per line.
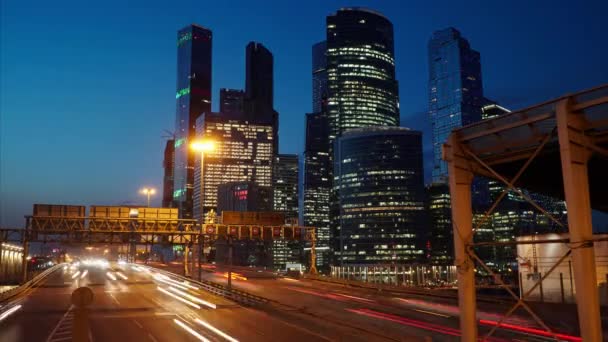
x,y
84,274
110,275
407,321
194,305
9,312
192,298
162,280
531,331
75,275
216,330
124,277
190,330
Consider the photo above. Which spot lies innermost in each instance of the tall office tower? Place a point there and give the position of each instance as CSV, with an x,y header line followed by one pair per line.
x,y
362,89
317,183
231,100
285,189
243,196
441,240
193,98
379,182
455,87
319,76
259,88
168,166
243,152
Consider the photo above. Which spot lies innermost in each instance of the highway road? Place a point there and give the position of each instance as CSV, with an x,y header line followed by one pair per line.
x,y
138,303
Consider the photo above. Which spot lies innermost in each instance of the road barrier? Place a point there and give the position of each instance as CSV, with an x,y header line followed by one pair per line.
x,y
238,296
4,296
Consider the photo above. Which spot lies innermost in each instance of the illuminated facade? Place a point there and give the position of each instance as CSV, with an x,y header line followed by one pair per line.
x,y
168,166
231,100
285,190
378,179
455,90
193,98
361,85
243,152
317,183
440,242
243,196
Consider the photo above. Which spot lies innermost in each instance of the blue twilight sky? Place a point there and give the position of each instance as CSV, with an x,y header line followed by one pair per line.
x,y
87,87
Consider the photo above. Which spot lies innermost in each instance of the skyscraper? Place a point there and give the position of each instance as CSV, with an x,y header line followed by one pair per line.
x,y
285,189
455,87
231,100
168,166
259,88
193,98
319,75
440,239
243,152
362,89
317,183
379,183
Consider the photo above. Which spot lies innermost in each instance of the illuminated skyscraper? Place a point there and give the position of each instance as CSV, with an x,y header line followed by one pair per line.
x,y
193,98
361,84
319,75
243,152
455,87
285,189
379,183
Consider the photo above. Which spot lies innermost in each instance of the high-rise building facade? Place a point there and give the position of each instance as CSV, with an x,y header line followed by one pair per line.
x,y
379,182
259,88
285,189
193,98
285,185
168,167
361,84
317,183
441,239
455,88
243,196
243,152
319,76
231,100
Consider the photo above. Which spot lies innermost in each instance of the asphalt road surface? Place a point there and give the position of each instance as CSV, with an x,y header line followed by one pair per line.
x,y
133,303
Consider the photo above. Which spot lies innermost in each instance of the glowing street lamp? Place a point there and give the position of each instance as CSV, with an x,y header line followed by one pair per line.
x,y
148,192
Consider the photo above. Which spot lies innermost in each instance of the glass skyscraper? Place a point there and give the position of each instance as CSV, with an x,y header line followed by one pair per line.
x,y
231,100
285,190
362,90
319,75
378,179
455,87
193,98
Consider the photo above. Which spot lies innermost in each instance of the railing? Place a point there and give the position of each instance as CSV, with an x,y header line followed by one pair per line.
x,y
29,284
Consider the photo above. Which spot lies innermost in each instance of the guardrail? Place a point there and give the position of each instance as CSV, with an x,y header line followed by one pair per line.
x,y
29,284
238,296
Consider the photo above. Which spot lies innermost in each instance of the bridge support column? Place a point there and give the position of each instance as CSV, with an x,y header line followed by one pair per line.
x,y
460,179
574,158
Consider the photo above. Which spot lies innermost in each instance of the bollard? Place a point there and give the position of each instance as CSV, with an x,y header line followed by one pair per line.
x,y
82,297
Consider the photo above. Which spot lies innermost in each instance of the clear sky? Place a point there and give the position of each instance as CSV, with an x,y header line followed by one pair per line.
x,y
88,87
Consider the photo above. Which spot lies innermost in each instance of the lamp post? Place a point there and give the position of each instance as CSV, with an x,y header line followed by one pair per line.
x,y
202,146
148,192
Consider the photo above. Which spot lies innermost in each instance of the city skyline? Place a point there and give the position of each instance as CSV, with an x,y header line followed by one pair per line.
x,y
21,184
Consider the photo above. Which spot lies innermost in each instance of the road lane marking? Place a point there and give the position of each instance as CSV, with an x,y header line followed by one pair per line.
x,y
137,323
432,313
64,322
116,300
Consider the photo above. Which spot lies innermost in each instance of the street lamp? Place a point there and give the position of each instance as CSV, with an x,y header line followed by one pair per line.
x,y
148,192
201,146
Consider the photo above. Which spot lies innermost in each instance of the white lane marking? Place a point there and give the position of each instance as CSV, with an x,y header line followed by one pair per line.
x,y
432,313
216,330
138,324
114,298
63,322
152,337
190,330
